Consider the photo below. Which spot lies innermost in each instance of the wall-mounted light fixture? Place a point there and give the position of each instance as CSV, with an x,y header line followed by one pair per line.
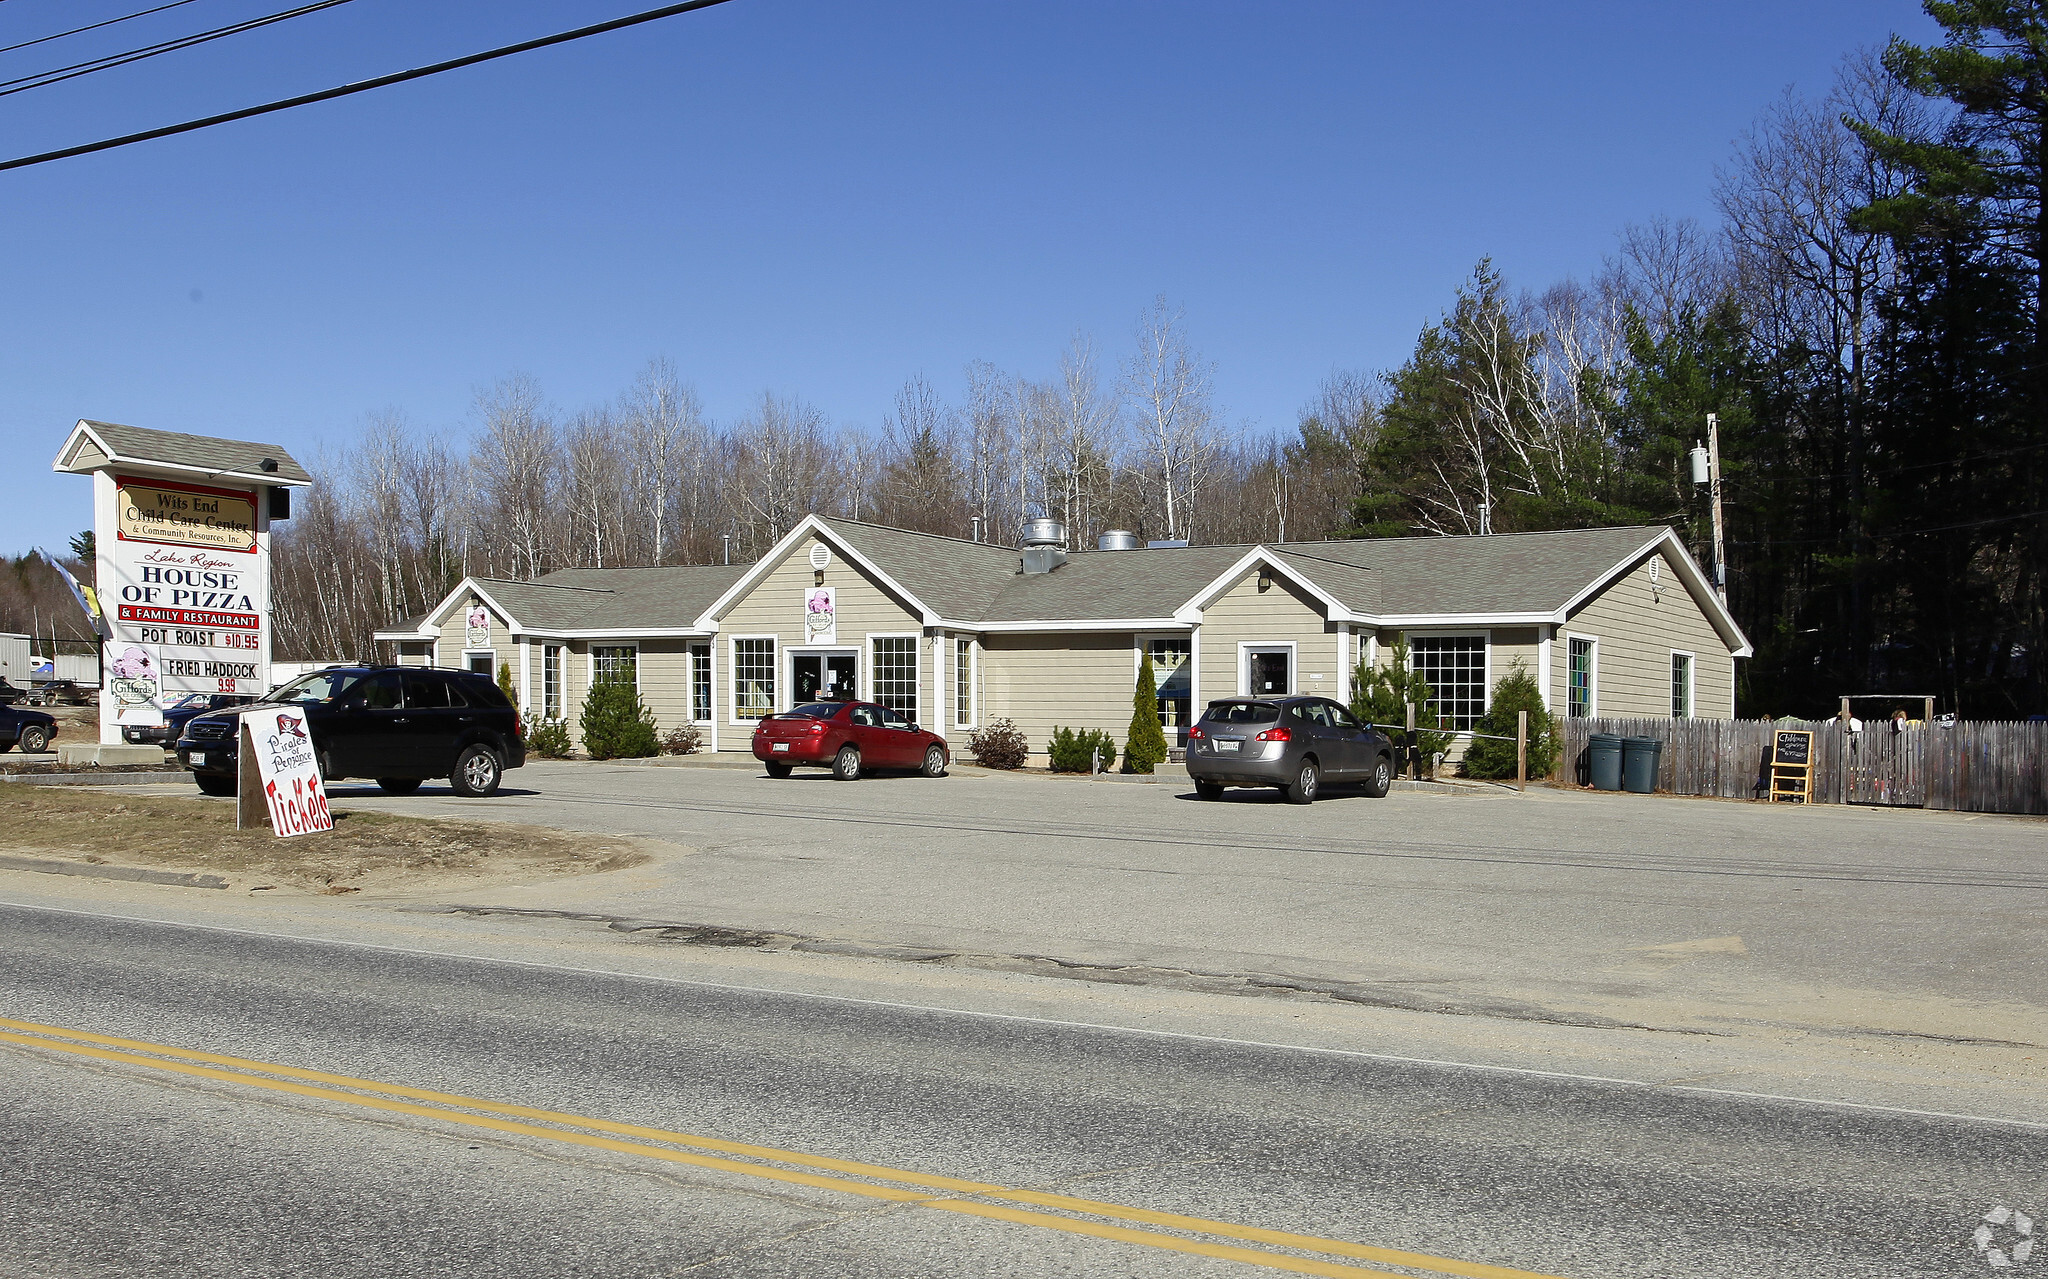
x,y
817,577
1265,580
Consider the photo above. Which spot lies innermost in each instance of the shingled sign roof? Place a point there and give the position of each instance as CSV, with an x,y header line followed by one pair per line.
x,y
201,455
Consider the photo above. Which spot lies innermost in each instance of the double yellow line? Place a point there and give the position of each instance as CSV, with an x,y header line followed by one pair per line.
x,y
1088,1217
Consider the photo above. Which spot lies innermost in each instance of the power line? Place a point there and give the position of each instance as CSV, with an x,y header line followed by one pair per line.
x,y
112,60
1881,533
360,86
95,26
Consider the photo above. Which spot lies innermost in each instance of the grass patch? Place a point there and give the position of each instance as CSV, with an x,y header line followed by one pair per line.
x,y
365,850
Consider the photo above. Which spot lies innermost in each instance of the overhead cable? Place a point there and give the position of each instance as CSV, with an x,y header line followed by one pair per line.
x,y
94,27
360,86
72,72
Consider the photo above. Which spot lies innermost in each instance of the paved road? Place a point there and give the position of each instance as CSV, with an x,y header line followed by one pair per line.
x,y
115,1163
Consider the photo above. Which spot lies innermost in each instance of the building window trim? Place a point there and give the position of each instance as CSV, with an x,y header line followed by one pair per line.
x,y
1592,675
554,694
1692,675
732,675
1485,638
874,672
1142,653
965,662
710,682
469,656
1245,649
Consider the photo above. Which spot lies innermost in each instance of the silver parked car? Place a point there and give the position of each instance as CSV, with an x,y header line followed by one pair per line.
x,y
1294,743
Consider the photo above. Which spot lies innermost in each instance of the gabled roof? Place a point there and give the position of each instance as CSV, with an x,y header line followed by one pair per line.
x,y
93,444
1500,579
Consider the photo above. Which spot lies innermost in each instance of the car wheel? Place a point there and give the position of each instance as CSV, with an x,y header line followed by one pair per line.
x,y
934,762
477,770
1303,791
35,739
846,764
778,770
1382,778
1209,790
214,784
398,785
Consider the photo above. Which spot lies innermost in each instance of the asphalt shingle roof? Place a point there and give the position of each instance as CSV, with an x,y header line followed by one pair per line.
x,y
244,457
980,583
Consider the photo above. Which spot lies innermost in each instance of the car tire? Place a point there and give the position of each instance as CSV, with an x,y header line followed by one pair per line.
x,y
398,785
934,762
1208,790
35,739
478,770
1302,790
1382,779
778,770
215,784
846,764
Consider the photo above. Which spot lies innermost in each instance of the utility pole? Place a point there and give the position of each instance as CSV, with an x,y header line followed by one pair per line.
x,y
1706,469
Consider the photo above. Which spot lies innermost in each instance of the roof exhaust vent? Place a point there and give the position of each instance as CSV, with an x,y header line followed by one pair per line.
x,y
1117,539
1044,533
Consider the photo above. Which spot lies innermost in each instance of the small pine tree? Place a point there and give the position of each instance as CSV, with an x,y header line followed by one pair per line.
x,y
615,723
1515,691
512,696
1382,695
1145,746
1075,750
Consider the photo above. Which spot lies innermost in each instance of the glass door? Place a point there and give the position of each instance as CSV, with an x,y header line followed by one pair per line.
x,y
819,677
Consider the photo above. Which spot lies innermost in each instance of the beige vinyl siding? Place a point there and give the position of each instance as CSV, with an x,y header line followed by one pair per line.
x,y
665,681
1511,644
1074,680
1280,614
775,606
1636,637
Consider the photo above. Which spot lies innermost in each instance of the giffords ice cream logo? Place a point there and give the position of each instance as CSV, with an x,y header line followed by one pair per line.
x,y
132,678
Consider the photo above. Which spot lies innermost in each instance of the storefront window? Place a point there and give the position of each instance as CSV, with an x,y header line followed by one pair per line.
x,y
1579,678
551,681
963,682
753,678
700,683
1171,668
1455,667
895,684
614,662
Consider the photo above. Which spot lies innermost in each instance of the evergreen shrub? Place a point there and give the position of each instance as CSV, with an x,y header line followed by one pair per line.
x,y
1073,750
1145,748
1515,691
615,723
549,739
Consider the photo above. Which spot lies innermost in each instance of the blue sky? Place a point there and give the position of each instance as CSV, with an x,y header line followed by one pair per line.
x,y
821,199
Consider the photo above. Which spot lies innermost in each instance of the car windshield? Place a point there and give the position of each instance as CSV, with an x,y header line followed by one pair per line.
x,y
817,710
1242,713
320,686
191,702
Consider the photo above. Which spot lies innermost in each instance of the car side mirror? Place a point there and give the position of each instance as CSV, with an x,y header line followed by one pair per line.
x,y
915,729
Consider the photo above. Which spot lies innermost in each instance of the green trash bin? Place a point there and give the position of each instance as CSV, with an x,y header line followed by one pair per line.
x,y
1640,758
1603,761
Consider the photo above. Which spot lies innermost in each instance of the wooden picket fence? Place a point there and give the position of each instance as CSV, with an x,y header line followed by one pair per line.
x,y
1972,767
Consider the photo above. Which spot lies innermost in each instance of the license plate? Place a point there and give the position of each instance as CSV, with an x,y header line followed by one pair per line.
x,y
199,757
779,746
1226,747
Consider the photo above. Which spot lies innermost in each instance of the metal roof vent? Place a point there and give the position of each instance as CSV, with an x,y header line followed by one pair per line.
x,y
1167,543
1044,533
1117,539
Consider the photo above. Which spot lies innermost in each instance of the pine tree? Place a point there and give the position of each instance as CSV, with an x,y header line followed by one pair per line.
x,y
1145,744
1515,691
1383,694
615,723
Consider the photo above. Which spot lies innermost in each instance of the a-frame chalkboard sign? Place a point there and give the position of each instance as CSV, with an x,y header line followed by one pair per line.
x,y
1791,766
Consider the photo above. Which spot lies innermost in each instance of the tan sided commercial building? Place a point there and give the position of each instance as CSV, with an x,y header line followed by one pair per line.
x,y
1612,621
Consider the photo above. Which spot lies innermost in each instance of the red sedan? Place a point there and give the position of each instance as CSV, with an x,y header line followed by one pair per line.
x,y
849,738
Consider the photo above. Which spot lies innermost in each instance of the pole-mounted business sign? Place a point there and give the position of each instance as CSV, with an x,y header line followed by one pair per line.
x,y
182,573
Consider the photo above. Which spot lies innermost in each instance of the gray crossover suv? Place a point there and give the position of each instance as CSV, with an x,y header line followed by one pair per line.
x,y
1294,743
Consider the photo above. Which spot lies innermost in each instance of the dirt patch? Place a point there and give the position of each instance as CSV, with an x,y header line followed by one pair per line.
x,y
364,851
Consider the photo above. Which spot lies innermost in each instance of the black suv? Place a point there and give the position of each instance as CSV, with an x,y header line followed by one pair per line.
x,y
398,724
